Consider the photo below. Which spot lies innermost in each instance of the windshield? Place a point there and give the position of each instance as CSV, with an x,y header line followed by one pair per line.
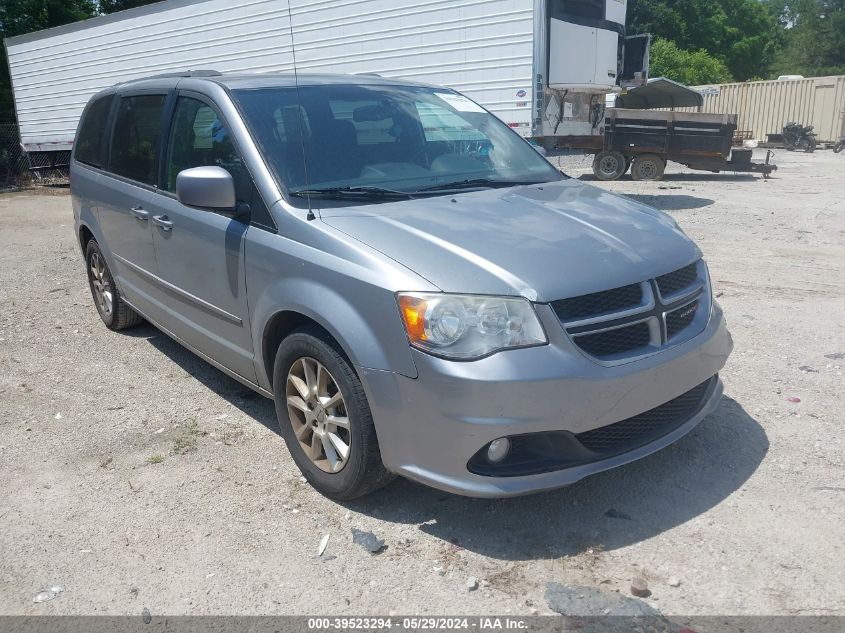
x,y
341,138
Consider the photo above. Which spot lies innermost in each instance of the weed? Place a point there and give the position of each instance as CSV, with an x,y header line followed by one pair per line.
x,y
187,441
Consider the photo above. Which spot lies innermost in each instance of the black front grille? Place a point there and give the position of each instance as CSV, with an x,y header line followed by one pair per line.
x,y
618,341
646,427
673,282
536,453
679,319
598,303
634,319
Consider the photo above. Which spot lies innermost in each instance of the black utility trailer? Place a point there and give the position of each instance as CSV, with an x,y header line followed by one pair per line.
x,y
645,139
636,136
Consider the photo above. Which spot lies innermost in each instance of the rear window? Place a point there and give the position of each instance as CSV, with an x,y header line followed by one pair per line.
x,y
92,133
136,138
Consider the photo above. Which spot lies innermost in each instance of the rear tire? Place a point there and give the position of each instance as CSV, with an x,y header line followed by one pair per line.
x,y
310,371
113,310
609,165
839,147
648,167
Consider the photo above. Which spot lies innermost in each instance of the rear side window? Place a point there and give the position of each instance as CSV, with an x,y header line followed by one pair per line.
x,y
92,133
136,137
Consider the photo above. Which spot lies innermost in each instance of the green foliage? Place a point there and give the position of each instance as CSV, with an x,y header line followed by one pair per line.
x,y
813,37
741,34
111,6
687,67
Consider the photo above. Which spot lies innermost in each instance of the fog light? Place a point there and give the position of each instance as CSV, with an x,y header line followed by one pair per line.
x,y
498,449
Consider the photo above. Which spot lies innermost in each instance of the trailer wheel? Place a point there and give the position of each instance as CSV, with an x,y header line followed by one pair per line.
x,y
648,167
609,165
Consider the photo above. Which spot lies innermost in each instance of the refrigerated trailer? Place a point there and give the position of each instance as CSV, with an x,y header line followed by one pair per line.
x,y
542,66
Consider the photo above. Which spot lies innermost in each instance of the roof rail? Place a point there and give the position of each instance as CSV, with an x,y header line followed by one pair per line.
x,y
188,73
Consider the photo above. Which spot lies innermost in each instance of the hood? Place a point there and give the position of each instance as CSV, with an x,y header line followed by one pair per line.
x,y
543,242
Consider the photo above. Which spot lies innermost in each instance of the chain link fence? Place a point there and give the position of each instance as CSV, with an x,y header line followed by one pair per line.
x,y
14,166
19,170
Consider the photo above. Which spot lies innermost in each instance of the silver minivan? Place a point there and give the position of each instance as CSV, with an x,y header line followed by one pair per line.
x,y
418,289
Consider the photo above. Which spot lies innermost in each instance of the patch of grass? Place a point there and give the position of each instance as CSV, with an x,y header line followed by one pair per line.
x,y
155,459
187,440
231,436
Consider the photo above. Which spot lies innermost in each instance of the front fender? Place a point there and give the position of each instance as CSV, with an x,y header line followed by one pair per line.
x,y
346,288
368,330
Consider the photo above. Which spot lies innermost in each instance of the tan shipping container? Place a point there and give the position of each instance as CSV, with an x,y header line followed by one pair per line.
x,y
764,107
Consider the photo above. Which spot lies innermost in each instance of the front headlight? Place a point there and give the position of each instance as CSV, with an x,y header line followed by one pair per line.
x,y
465,327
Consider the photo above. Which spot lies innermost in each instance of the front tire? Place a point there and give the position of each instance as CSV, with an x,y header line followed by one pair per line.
x,y
113,310
324,417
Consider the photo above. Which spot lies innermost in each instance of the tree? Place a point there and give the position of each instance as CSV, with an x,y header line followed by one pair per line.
x,y
813,33
112,6
742,34
18,17
692,68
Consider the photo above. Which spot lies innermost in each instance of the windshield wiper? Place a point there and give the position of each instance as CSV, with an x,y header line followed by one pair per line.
x,y
478,182
356,192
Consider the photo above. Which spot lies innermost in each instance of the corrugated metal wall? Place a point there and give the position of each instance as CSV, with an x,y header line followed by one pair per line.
x,y
765,106
484,48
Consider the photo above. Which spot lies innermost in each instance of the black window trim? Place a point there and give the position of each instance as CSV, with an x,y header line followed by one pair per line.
x,y
167,93
106,141
171,121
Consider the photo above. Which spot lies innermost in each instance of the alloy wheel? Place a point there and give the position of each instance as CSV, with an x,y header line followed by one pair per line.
x,y
101,282
318,414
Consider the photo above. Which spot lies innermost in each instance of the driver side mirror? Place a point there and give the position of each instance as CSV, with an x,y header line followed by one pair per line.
x,y
206,188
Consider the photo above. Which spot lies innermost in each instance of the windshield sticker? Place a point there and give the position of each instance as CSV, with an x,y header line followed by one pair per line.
x,y
460,102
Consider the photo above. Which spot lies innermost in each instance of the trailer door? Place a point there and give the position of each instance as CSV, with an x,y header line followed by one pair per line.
x,y
635,61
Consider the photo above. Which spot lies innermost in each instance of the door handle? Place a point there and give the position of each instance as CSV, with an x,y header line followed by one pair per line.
x,y
163,222
140,213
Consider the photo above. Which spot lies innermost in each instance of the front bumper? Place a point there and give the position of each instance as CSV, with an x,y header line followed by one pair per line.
x,y
430,427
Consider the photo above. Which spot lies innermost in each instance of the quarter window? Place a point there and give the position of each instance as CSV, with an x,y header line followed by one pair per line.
x,y
135,141
92,133
200,139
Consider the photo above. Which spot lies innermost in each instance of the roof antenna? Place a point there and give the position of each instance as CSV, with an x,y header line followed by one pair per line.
x,y
310,215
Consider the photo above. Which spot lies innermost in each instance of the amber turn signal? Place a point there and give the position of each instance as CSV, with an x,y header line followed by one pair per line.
x,y
413,312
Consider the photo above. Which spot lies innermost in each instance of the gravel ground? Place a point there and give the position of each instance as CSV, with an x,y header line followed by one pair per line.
x,y
136,476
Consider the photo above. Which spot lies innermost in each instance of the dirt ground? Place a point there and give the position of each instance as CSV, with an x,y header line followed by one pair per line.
x,y
136,476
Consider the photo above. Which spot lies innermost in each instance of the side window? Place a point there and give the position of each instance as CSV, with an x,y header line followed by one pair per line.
x,y
200,139
90,142
135,140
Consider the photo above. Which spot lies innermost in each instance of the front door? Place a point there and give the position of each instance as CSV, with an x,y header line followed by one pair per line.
x,y
128,196
200,253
